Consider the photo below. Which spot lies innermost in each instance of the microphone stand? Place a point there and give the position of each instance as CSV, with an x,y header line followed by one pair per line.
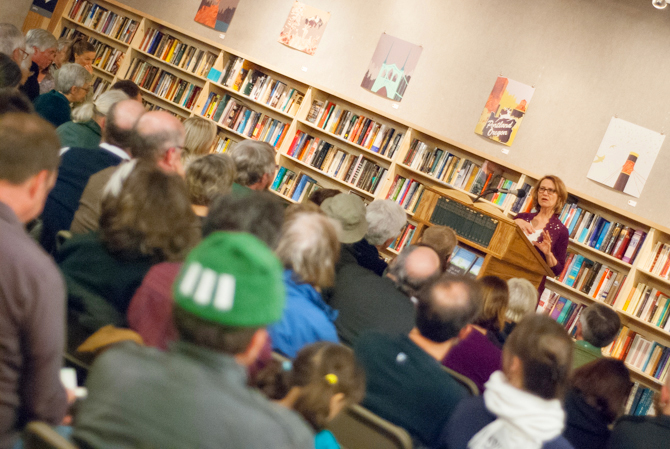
x,y
485,192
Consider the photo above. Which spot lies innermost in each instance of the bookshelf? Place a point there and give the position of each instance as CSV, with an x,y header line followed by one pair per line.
x,y
269,94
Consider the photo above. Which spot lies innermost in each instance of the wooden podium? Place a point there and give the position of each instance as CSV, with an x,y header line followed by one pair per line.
x,y
483,227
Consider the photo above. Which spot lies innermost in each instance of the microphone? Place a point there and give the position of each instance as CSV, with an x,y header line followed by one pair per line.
x,y
516,192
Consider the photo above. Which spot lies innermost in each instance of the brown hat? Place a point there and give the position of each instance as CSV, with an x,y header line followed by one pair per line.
x,y
349,211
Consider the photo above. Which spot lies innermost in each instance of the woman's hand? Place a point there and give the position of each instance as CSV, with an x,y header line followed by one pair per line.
x,y
545,244
525,226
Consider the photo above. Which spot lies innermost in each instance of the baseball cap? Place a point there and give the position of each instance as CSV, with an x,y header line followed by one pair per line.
x,y
349,211
232,279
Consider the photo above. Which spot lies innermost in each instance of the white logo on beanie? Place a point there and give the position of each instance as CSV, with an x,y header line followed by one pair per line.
x,y
203,285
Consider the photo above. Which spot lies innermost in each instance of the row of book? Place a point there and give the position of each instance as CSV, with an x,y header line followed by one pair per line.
x,y
236,116
640,401
357,129
561,309
222,144
644,355
163,84
648,304
404,238
595,279
106,58
295,186
358,171
615,239
103,21
523,204
658,262
407,192
173,51
99,86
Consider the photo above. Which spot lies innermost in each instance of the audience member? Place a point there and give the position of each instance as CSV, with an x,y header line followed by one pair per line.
x,y
319,196
72,85
11,100
405,382
88,119
82,52
44,47
256,165
522,302
492,319
597,395
323,379
148,222
308,249
366,302
196,394
521,407
597,327
10,73
443,240
78,164
200,138
49,81
32,294
129,88
208,177
150,310
349,211
13,43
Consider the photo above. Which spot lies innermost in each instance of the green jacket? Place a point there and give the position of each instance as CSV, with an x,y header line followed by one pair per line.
x,y
80,135
53,107
584,352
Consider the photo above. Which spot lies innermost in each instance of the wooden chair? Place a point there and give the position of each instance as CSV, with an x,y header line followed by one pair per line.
x,y
39,435
358,428
465,381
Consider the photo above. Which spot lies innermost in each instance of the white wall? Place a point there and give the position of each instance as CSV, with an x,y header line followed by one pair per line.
x,y
14,11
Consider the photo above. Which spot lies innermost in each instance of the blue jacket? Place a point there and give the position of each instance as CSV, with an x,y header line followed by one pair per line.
x,y
307,318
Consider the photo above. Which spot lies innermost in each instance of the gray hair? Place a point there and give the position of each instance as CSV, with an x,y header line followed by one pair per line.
x,y
10,39
63,42
385,221
99,107
71,75
600,324
41,39
522,299
406,277
253,159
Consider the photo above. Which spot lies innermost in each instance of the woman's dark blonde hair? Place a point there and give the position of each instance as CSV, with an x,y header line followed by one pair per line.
x,y
78,48
561,192
495,299
208,177
604,384
151,217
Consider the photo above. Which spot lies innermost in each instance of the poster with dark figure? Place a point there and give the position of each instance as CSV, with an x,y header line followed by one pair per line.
x,y
216,14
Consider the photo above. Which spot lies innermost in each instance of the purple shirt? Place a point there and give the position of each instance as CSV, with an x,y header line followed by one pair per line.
x,y
559,239
475,357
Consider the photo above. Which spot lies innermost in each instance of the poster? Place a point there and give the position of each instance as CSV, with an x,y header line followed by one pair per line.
x,y
625,157
216,14
304,28
504,110
391,67
44,7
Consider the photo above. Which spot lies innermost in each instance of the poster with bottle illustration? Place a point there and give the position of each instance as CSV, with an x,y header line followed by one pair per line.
x,y
504,110
304,28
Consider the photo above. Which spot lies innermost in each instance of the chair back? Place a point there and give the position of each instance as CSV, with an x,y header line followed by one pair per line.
x,y
358,428
465,381
39,435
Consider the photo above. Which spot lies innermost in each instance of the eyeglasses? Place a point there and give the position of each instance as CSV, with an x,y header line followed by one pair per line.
x,y
26,55
546,190
86,88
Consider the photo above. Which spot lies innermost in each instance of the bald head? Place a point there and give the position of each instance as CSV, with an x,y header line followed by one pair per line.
x,y
120,122
414,267
157,132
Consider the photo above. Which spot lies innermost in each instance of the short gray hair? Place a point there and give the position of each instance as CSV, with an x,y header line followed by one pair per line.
x,y
522,299
253,159
10,39
600,324
99,107
385,221
41,39
401,270
71,75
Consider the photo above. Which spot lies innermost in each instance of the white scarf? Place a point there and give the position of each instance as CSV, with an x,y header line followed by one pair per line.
x,y
525,421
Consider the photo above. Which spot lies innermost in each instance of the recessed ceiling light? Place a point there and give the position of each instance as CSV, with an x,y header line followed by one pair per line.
x,y
659,4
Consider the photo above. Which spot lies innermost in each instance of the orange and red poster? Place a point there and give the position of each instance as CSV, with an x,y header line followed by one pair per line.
x,y
216,14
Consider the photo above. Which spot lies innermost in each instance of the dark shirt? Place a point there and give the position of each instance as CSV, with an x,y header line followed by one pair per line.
x,y
586,427
32,87
559,239
367,256
476,357
640,432
53,107
80,135
407,386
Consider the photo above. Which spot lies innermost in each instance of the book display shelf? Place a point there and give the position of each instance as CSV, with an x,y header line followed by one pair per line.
x,y
327,140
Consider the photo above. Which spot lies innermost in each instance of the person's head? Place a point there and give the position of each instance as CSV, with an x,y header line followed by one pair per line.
x,y
99,108
119,125
82,52
200,137
255,162
495,296
12,100
159,138
537,357
73,81
29,160
349,211
414,267
209,176
598,325
322,380
13,43
308,246
319,196
550,192
443,240
10,73
604,384
259,213
229,289
44,46
522,299
63,52
151,217
446,306
129,88
386,219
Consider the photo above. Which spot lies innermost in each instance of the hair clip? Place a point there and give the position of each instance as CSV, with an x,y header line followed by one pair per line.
x,y
286,365
331,378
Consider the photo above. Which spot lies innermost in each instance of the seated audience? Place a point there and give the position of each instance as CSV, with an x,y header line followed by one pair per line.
x,y
148,222
10,73
49,81
349,211
492,319
32,294
129,88
79,164
406,383
150,310
82,52
319,196
522,302
596,397
255,164
323,379
196,394
308,249
43,46
366,302
88,119
443,240
72,85
13,44
11,100
521,407
597,327
200,139
208,177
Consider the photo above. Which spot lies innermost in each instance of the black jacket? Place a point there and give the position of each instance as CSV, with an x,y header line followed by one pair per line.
x,y
641,432
32,87
586,427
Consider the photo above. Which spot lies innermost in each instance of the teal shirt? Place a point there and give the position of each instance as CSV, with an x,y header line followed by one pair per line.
x,y
80,135
53,107
240,190
325,440
584,352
